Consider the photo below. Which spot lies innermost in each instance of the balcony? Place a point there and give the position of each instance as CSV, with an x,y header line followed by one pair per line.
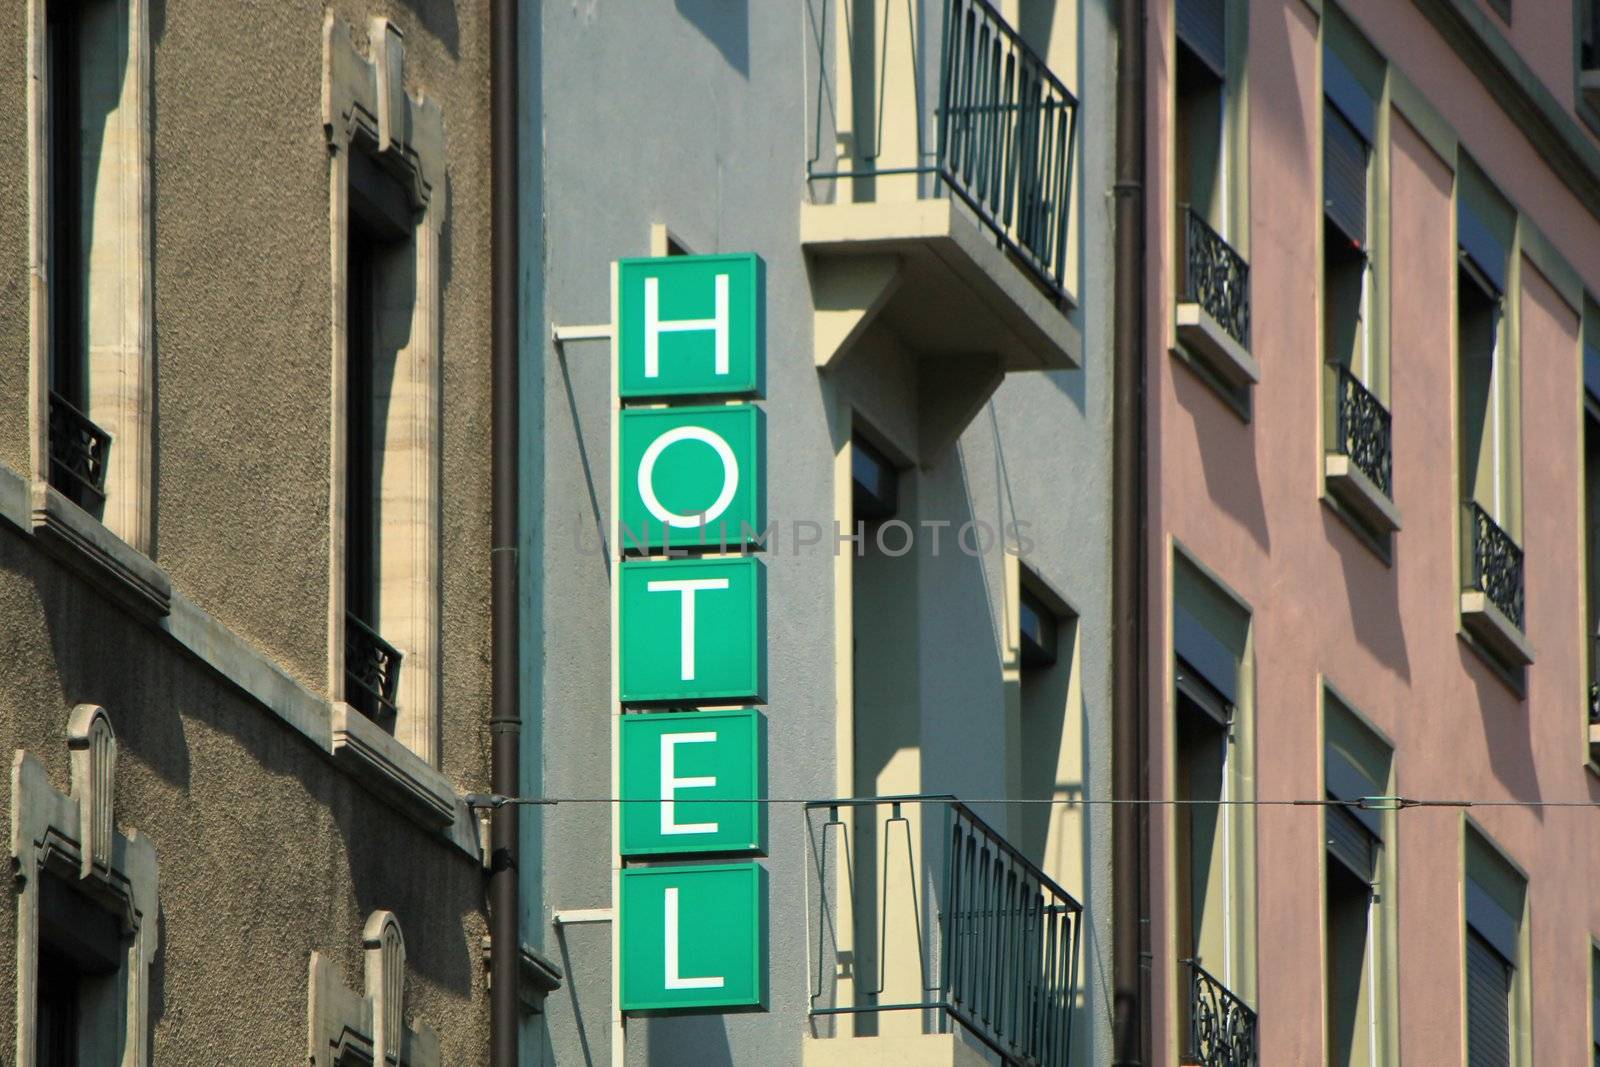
x,y
976,962
371,672
1222,1028
1359,462
939,203
79,454
1214,304
1491,595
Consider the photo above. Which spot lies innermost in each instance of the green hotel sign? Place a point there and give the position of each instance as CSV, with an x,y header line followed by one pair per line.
x,y
691,475
694,937
689,782
690,326
691,630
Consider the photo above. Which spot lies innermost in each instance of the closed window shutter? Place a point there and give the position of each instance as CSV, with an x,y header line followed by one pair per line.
x,y
1351,843
1203,26
1344,175
1488,1005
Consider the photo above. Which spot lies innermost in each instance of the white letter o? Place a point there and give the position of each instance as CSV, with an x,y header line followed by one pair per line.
x,y
730,475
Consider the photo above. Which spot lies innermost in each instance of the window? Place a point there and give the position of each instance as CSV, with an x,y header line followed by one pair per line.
x,y
1588,35
1496,982
1356,764
1044,738
1594,1001
1488,447
1211,734
1211,276
387,193
89,191
875,483
88,894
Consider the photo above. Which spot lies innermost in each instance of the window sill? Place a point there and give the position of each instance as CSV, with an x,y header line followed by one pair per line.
x,y
1204,337
83,543
390,769
1494,632
1360,495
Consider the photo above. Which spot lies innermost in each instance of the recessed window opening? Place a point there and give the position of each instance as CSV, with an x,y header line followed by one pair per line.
x,y
1480,309
1038,631
81,982
875,482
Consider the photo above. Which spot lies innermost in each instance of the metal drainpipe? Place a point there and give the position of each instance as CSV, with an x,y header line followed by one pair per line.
x,y
505,719
1130,823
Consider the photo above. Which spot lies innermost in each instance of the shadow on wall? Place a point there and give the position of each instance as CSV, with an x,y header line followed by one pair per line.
x,y
1505,729
439,19
726,24
1227,455
690,1040
1373,590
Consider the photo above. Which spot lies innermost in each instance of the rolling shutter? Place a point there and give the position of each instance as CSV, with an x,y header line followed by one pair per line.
x,y
1203,27
1344,175
1482,248
1488,1004
1351,843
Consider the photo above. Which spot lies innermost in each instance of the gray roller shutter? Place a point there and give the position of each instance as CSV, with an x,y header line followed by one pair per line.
x,y
1488,1004
1344,175
1203,26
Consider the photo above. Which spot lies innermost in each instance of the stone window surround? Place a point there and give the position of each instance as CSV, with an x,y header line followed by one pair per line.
x,y
122,371
365,108
74,836
346,1026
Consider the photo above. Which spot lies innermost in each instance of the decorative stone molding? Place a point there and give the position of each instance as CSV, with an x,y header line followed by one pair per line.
x,y
120,316
365,109
74,837
347,1026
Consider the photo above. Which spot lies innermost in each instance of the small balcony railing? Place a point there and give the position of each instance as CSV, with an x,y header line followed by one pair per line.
x,y
79,454
992,948
1215,277
1494,563
1222,1028
1006,130
371,671
1361,430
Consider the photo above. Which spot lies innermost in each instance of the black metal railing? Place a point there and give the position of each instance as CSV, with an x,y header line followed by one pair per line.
x,y
371,671
1215,277
995,953
1494,562
79,454
1222,1028
1006,135
1006,127
1361,429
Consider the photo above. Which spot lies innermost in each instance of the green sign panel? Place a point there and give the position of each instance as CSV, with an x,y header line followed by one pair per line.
x,y
692,475
694,937
692,767
693,630
690,326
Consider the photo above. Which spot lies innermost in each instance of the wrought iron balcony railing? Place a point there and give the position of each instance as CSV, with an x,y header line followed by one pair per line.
x,y
1361,430
993,949
1494,563
79,454
371,671
1006,130
1222,1028
1215,277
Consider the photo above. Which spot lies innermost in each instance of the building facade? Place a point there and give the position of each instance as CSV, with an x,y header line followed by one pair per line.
x,y
244,510
1372,233
936,418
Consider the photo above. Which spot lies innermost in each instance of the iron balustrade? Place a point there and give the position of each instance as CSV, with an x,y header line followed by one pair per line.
x,y
1222,1028
1007,130
1215,277
79,454
993,949
371,671
1495,563
1361,430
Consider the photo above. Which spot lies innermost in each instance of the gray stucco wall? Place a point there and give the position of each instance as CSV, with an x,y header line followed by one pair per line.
x,y
695,115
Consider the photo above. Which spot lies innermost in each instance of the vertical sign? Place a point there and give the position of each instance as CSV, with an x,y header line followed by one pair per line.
x,y
690,631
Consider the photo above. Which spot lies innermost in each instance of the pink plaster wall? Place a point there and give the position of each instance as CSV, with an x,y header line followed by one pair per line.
x,y
1243,498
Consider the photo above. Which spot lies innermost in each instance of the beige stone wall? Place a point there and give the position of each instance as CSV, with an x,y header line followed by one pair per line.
x,y
268,850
